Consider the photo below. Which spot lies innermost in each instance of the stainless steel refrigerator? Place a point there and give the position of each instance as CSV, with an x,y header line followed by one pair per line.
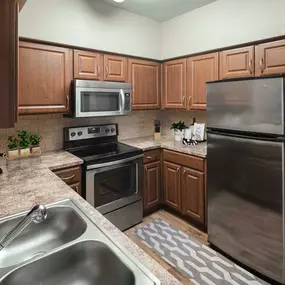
x,y
245,165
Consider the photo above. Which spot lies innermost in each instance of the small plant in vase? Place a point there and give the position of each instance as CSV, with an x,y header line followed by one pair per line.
x,y
178,130
24,142
13,144
35,144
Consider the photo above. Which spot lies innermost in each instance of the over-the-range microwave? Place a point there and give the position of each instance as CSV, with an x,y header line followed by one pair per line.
x,y
96,98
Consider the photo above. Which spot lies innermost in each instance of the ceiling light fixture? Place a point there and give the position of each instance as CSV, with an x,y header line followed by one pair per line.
x,y
119,1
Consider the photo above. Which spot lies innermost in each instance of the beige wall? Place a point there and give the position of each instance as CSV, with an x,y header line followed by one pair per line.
x,y
91,24
137,124
220,24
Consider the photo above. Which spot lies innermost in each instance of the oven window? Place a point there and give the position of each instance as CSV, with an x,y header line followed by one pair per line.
x,y
99,101
114,184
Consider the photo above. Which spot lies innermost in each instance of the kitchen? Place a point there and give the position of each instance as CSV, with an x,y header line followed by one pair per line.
x,y
162,70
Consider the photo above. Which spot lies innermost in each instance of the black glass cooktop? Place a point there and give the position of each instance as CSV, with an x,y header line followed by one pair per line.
x,y
105,152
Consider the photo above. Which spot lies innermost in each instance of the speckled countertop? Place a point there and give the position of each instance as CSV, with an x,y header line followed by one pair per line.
x,y
148,143
30,181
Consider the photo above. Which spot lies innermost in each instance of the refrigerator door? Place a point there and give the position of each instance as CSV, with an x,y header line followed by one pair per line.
x,y
249,105
245,185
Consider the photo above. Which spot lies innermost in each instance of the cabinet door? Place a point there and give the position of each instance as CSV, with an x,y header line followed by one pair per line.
x,y
8,62
45,74
193,204
88,65
145,78
115,68
77,188
270,58
237,62
200,69
152,189
172,190
174,92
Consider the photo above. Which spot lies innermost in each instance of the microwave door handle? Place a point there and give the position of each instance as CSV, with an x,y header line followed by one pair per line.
x,y
123,102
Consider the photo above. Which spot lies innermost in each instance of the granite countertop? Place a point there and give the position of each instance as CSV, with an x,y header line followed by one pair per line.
x,y
30,181
148,143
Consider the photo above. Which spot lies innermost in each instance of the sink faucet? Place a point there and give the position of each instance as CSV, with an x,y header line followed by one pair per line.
x,y
37,214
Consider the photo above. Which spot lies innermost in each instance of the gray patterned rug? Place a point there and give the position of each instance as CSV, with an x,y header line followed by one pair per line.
x,y
200,263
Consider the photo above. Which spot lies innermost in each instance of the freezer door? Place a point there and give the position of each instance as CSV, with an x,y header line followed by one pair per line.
x,y
253,105
245,199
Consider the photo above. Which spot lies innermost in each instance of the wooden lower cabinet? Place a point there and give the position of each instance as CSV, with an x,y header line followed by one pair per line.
x,y
193,194
184,185
152,189
72,176
172,185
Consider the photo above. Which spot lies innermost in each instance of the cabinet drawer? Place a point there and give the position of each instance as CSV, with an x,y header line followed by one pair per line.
x,y
184,159
151,156
69,175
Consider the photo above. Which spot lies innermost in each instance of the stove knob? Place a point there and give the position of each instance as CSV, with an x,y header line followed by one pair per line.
x,y
79,134
107,131
113,130
73,134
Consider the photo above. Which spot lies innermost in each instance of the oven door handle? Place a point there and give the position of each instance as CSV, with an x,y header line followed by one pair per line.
x,y
112,163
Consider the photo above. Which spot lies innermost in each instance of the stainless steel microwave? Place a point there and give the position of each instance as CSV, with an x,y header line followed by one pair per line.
x,y
96,99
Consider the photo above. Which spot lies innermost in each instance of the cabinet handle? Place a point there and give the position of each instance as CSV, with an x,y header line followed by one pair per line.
x,y
177,170
67,102
76,188
261,65
148,157
98,70
250,66
107,69
183,100
68,178
184,172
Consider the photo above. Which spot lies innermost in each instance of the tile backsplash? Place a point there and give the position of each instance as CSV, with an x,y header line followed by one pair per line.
x,y
137,124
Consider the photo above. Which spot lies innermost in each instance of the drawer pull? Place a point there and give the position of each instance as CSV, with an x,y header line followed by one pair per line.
x,y
149,157
68,178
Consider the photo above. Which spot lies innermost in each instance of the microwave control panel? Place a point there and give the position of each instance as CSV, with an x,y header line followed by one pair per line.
x,y
127,101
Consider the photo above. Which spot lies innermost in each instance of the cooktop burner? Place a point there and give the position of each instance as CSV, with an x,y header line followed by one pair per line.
x,y
104,151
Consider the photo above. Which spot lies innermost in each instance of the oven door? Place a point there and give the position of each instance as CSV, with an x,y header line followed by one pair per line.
x,y
96,102
113,185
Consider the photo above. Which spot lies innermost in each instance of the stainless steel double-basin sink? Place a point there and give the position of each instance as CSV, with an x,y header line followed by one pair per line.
x,y
67,249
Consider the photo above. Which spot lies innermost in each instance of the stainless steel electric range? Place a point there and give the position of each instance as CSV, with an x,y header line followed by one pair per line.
x,y
112,172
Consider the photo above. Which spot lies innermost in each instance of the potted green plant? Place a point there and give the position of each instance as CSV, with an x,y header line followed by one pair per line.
x,y
13,144
178,130
35,144
24,143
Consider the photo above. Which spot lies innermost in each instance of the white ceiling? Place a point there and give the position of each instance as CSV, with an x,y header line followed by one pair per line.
x,y
160,10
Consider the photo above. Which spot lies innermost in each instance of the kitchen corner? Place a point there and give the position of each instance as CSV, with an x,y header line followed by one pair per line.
x,y
27,182
166,142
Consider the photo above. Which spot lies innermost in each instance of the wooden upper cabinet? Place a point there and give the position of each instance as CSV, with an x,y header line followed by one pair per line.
x,y
174,91
152,189
88,65
172,185
115,68
200,69
45,74
145,78
193,197
237,62
8,62
270,58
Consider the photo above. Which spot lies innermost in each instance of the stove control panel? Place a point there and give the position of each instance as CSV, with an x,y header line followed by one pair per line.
x,y
89,132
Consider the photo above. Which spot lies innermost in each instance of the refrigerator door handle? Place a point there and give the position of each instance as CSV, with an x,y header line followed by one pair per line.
x,y
247,135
